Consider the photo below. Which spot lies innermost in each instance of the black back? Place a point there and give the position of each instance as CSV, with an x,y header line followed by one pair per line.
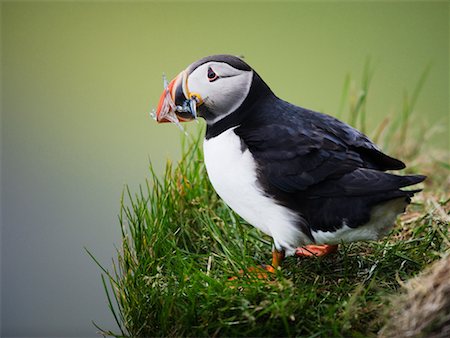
x,y
318,166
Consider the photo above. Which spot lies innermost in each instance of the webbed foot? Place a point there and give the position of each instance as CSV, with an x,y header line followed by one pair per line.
x,y
316,250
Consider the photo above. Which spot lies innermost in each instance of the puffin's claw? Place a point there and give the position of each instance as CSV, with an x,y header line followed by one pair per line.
x,y
264,271
316,250
258,272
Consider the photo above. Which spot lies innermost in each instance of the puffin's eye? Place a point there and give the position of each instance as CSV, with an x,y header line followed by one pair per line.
x,y
211,75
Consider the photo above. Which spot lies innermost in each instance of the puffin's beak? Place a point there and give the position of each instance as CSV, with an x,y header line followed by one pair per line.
x,y
166,102
174,105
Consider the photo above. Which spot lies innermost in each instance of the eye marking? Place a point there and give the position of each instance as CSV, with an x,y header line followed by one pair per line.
x,y
211,75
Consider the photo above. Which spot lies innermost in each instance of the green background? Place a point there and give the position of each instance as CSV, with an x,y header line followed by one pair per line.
x,y
79,78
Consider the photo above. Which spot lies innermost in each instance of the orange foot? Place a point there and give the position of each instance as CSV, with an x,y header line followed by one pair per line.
x,y
316,250
264,271
258,272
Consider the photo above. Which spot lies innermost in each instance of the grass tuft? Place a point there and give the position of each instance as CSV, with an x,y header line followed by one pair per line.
x,y
181,243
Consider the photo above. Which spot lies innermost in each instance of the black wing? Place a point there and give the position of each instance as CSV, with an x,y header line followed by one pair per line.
x,y
321,167
298,148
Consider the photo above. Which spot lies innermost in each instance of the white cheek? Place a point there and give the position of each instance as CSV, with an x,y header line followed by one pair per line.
x,y
224,95
197,83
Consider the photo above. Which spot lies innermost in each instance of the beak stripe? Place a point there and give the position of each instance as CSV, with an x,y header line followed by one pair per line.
x,y
177,91
166,103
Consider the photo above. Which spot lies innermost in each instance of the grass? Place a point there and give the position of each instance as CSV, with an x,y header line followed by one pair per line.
x,y
181,243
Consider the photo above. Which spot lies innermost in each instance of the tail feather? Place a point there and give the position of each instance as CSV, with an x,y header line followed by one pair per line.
x,y
408,180
353,196
364,182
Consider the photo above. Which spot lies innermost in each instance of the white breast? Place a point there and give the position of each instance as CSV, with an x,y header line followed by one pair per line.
x,y
233,176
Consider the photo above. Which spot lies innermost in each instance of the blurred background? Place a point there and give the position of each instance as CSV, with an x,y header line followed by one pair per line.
x,y
79,79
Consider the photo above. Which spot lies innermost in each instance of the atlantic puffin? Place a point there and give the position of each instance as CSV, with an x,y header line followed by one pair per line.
x,y
306,179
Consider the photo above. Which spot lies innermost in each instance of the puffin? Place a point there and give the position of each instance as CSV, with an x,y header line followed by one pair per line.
x,y
304,178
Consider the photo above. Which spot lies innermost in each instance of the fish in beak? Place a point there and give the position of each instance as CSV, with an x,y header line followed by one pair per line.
x,y
176,103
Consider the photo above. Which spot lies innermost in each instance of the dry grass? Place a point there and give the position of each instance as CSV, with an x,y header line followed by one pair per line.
x,y
424,308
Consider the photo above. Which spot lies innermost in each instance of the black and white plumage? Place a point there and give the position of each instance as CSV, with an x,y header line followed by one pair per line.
x,y
300,176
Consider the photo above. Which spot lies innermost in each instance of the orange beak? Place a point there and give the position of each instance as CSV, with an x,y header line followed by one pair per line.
x,y
166,101
177,103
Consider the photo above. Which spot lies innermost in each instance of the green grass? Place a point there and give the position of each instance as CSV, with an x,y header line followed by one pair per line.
x,y
181,244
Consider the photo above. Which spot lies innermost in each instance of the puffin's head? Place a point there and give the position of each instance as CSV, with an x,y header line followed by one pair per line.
x,y
212,88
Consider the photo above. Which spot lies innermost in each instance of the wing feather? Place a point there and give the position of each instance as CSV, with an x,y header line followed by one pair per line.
x,y
304,148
